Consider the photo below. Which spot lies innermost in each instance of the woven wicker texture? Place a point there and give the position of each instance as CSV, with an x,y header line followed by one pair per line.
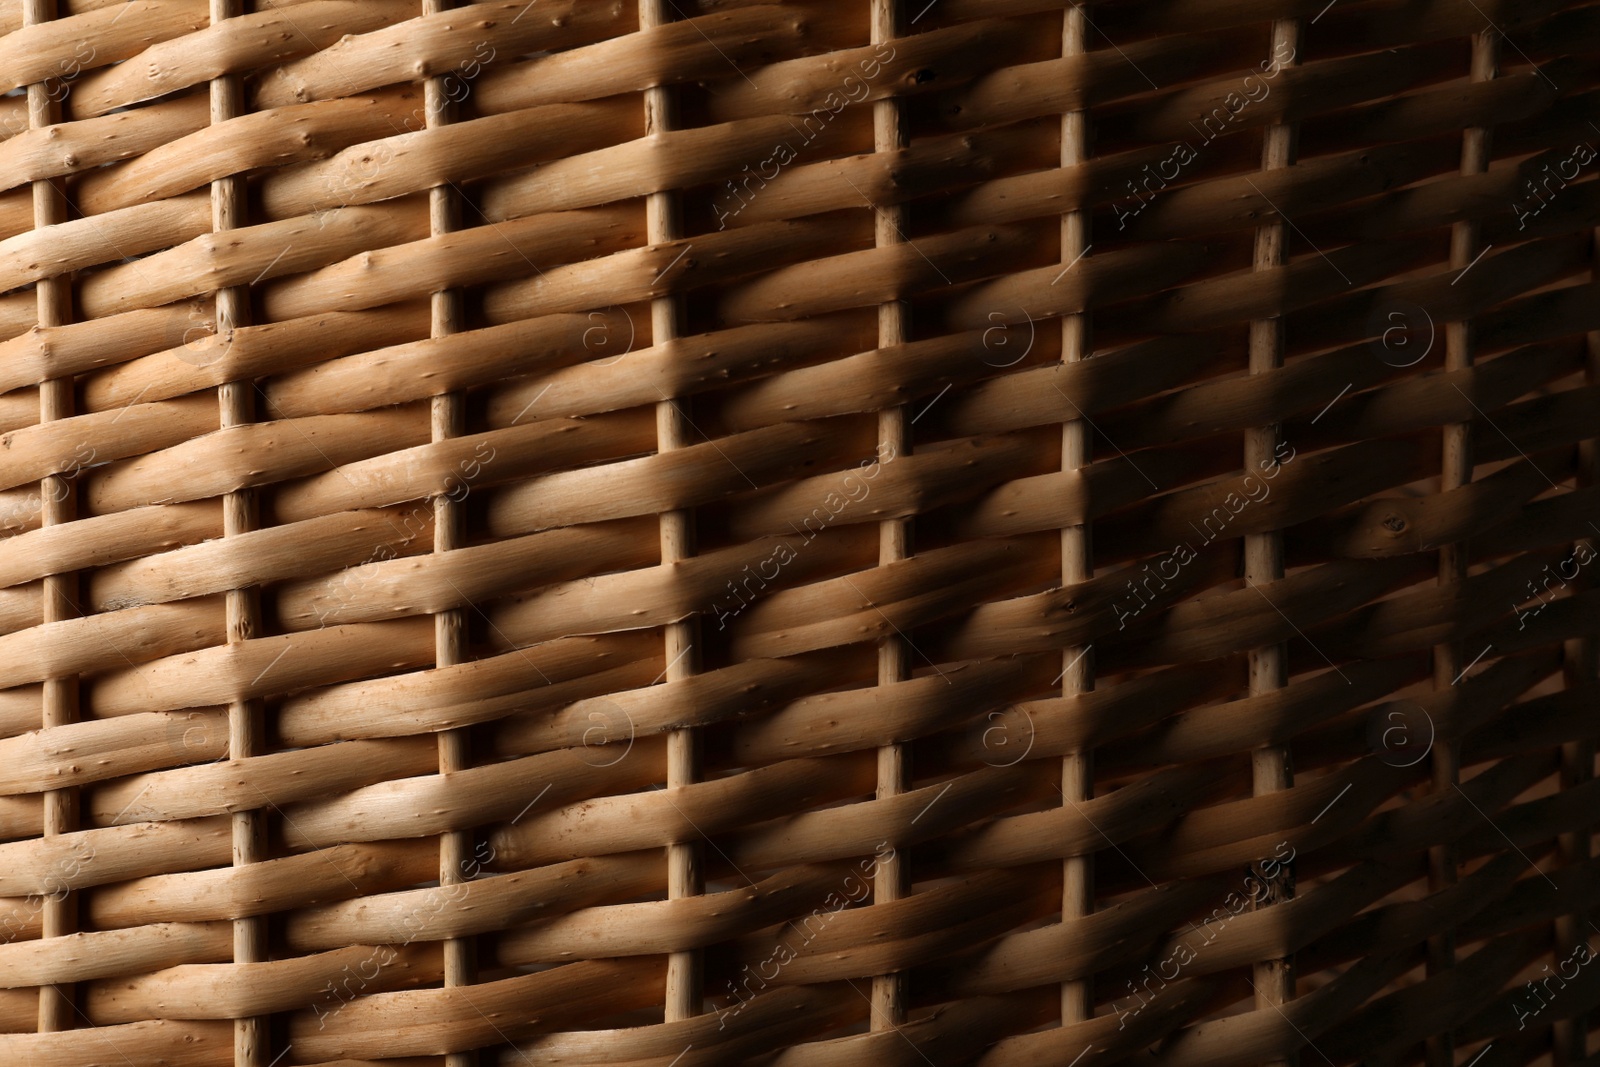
x,y
801,533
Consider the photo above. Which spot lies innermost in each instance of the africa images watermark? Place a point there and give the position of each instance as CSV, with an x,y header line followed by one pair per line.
x,y
1565,571
853,90
457,484
1541,994
56,885
1260,889
1223,115
822,915
346,186
420,921
56,86
1539,188
833,505
58,486
339,991
1211,527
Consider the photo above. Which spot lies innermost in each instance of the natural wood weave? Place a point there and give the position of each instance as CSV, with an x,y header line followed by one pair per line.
x,y
840,532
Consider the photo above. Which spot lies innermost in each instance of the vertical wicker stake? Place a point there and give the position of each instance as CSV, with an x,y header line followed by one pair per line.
x,y
1077,548
890,881
1271,766
59,501
1570,1036
1456,471
684,877
240,516
448,412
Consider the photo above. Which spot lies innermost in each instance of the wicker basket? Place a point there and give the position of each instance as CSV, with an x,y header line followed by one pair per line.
x,y
689,532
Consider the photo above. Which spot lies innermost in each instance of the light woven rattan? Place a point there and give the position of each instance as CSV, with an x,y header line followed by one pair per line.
x,y
841,532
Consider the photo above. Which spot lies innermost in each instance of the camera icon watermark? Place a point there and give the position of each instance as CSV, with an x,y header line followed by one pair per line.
x,y
603,339
1402,333
1001,347
196,339
197,736
608,733
1400,734
1008,737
